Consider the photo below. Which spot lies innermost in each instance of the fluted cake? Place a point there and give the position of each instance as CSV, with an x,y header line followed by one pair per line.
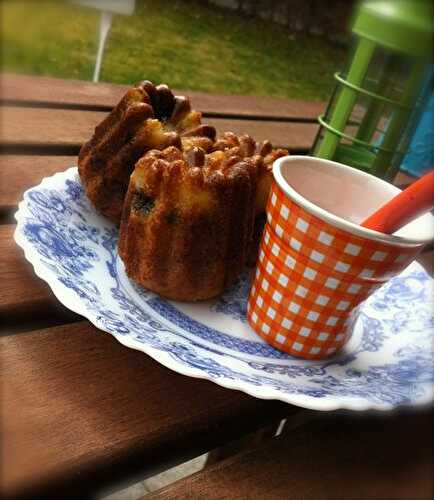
x,y
148,117
188,223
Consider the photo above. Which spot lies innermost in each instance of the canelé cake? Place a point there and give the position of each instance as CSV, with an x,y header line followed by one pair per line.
x,y
189,217
147,117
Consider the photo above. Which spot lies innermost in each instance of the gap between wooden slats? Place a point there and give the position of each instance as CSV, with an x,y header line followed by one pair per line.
x,y
330,457
21,172
47,91
59,128
81,424
106,109
26,301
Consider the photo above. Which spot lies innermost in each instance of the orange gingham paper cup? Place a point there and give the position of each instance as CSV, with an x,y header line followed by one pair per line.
x,y
314,267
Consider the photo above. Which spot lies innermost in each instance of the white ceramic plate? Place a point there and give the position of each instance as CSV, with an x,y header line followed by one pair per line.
x,y
387,363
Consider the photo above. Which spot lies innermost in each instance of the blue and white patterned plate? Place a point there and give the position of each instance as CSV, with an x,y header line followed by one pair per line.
x,y
387,363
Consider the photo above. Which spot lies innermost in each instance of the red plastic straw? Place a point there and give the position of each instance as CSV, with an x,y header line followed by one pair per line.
x,y
403,208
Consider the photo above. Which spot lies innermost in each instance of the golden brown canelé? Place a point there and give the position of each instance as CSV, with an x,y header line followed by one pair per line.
x,y
147,117
189,216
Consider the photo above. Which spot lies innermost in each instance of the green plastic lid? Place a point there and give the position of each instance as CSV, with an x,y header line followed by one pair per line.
x,y
402,25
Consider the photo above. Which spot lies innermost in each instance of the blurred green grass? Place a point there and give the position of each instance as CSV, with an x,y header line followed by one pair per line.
x,y
184,43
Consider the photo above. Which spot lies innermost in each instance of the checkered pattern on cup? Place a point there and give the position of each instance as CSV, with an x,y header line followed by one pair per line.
x,y
310,277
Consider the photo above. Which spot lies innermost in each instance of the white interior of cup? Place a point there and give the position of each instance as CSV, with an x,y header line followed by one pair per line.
x,y
344,196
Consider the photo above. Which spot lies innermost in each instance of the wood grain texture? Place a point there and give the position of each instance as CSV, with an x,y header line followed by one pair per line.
x,y
79,410
26,301
341,458
70,128
22,126
48,91
427,261
402,179
23,293
21,172
21,289
76,404
297,137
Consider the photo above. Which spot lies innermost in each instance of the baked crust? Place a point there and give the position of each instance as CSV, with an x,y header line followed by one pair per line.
x,y
190,219
147,117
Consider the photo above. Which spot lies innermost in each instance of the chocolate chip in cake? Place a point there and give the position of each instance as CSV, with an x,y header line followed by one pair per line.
x,y
181,108
143,203
149,88
165,102
196,157
97,162
173,217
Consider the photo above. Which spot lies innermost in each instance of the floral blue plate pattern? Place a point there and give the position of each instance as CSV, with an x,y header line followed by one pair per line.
x,y
387,363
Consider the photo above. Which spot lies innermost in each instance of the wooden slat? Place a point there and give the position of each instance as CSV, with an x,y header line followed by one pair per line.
x,y
402,179
79,409
23,291
427,261
70,128
26,301
297,137
381,458
47,127
21,172
20,286
47,90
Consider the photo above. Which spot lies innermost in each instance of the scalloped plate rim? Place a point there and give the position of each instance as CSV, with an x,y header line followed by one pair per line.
x,y
330,403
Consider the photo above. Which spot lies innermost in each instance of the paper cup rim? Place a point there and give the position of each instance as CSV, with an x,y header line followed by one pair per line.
x,y
331,218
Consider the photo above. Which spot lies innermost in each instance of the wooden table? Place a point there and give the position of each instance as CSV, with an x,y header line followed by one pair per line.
x,y
340,458
79,411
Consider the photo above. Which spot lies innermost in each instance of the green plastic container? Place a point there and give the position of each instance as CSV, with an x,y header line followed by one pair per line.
x,y
366,124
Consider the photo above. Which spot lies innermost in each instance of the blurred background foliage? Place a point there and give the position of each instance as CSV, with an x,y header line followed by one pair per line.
x,y
187,44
